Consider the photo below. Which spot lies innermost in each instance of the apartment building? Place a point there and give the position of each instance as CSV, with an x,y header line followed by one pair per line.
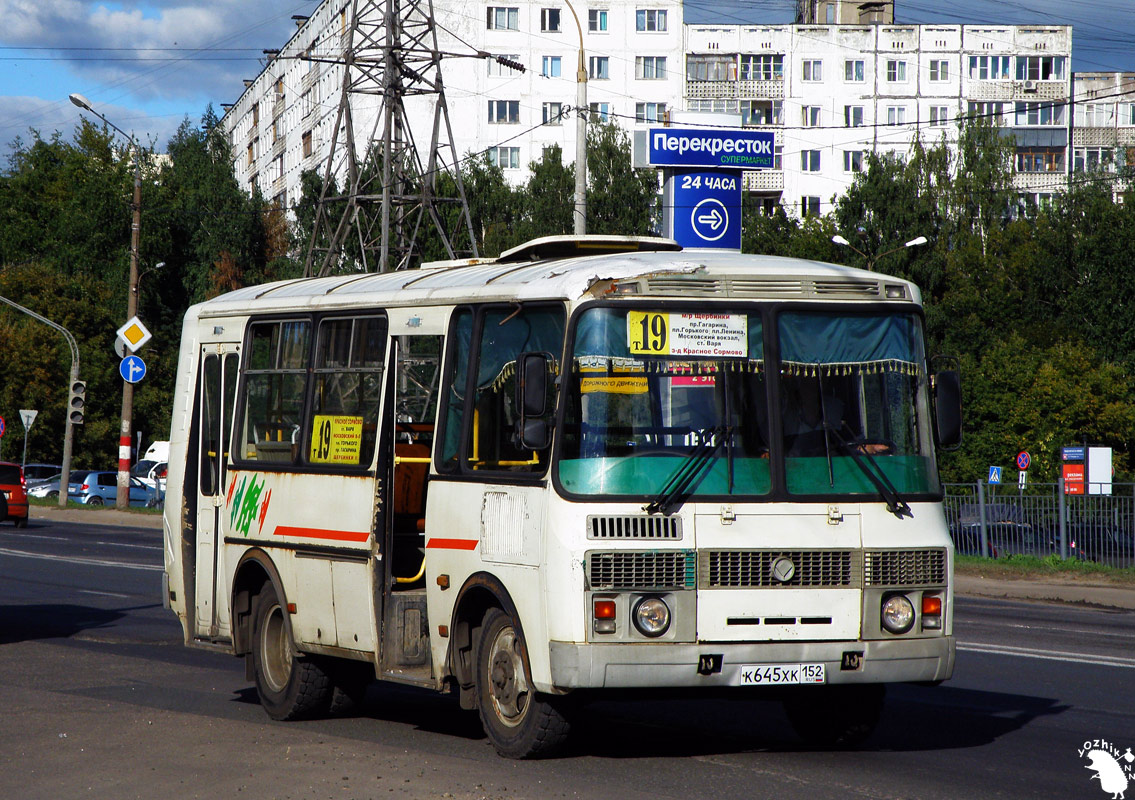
x,y
831,93
1103,127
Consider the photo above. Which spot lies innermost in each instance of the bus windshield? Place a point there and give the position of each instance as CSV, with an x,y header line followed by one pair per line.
x,y
664,402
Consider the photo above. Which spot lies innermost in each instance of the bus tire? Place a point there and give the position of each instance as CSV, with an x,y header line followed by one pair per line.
x,y
835,716
290,686
519,721
349,680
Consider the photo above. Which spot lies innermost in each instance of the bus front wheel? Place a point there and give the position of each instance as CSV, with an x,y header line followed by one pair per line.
x,y
290,686
835,716
519,721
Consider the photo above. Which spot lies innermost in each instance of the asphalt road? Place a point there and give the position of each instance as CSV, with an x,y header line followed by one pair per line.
x,y
101,699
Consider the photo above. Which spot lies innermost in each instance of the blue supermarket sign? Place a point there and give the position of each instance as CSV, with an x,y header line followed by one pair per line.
x,y
716,148
705,209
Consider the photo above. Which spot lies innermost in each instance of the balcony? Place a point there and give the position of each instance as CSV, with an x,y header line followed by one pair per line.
x,y
713,90
765,180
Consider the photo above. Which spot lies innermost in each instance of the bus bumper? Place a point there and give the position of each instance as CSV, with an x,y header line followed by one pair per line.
x,y
670,665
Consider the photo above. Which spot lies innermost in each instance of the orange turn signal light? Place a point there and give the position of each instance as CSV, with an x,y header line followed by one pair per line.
x,y
604,609
931,605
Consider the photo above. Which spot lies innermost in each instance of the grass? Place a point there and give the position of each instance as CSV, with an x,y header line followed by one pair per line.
x,y
71,505
1050,567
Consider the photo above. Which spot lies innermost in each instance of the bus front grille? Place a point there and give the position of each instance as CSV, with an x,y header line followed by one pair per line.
x,y
655,569
904,567
634,527
793,569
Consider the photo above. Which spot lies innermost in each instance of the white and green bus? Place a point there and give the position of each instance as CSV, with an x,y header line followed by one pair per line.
x,y
590,465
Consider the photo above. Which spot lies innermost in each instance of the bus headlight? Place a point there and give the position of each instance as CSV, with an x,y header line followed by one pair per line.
x,y
651,616
898,614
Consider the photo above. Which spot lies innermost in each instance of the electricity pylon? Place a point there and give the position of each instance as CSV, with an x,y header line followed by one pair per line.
x,y
389,202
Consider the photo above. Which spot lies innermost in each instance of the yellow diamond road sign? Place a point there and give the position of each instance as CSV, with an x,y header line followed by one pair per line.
x,y
134,333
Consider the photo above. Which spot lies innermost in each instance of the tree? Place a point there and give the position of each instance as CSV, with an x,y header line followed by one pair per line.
x,y
621,200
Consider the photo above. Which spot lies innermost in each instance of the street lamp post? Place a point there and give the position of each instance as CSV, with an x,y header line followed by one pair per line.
x,y
581,112
871,260
124,437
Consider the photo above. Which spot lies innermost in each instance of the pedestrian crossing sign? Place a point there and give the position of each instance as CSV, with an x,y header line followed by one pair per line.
x,y
995,475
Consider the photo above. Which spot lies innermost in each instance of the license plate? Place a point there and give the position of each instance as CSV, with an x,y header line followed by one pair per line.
x,y
781,674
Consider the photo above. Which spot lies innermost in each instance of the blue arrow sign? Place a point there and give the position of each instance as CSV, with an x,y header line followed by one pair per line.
x,y
705,208
132,369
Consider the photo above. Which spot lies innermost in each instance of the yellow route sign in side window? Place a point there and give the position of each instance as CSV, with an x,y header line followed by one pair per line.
x,y
336,439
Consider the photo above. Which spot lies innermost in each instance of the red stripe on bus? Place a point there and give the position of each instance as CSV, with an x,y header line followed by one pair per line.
x,y
452,544
322,533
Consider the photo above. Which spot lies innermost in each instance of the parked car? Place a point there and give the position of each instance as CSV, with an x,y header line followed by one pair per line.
x,y
15,494
101,488
35,474
50,488
1097,540
1006,527
151,473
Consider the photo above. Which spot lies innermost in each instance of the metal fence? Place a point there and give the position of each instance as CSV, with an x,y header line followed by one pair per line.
x,y
998,520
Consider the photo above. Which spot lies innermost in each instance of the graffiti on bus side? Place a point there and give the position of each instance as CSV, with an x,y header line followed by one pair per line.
x,y
247,503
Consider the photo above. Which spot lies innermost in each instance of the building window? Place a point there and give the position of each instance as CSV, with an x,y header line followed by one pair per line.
x,y
1127,113
248,161
650,68
853,116
1087,159
1040,68
762,112
598,68
852,160
810,118
500,18
278,167
992,68
896,71
601,110
939,115
255,114
853,70
650,19
553,113
988,111
306,143
762,68
810,206
505,157
710,68
896,115
1038,114
939,70
597,20
650,112
550,20
550,67
810,160
813,69
499,70
504,111
1040,159
708,105
1095,115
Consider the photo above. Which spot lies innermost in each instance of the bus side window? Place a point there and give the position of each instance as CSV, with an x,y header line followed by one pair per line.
x,y
274,389
416,390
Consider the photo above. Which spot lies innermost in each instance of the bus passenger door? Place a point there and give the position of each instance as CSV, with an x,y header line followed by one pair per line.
x,y
216,393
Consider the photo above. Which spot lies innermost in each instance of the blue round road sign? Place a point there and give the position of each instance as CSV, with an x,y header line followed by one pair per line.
x,y
132,369
1023,460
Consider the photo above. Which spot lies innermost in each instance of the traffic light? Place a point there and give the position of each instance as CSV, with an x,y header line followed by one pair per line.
x,y
77,402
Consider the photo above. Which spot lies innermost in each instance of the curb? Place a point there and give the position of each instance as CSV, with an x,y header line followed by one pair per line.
x,y
96,516
1095,595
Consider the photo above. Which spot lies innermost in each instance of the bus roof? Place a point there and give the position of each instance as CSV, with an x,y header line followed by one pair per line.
x,y
545,269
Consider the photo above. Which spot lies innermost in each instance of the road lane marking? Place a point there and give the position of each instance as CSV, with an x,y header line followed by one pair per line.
x,y
96,562
126,544
1049,655
103,594
38,538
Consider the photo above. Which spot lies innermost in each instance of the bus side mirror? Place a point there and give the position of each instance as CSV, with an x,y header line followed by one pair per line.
x,y
532,399
948,408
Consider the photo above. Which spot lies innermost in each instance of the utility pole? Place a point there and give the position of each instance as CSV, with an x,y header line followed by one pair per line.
x,y
390,198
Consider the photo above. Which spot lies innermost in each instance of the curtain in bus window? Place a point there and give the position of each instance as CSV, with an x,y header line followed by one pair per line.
x,y
854,385
274,389
460,343
507,332
348,388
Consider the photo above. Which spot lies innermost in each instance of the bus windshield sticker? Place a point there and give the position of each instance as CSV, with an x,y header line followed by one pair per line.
x,y
336,439
659,333
617,384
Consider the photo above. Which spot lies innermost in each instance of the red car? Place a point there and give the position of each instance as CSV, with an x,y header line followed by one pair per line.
x,y
15,494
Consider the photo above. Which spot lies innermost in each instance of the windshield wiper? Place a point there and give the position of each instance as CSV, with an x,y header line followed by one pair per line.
x,y
690,473
870,467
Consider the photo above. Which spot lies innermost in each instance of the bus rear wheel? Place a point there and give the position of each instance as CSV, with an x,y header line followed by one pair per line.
x,y
835,716
519,721
290,686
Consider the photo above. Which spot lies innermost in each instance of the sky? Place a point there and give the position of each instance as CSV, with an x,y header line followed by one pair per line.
x,y
147,66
